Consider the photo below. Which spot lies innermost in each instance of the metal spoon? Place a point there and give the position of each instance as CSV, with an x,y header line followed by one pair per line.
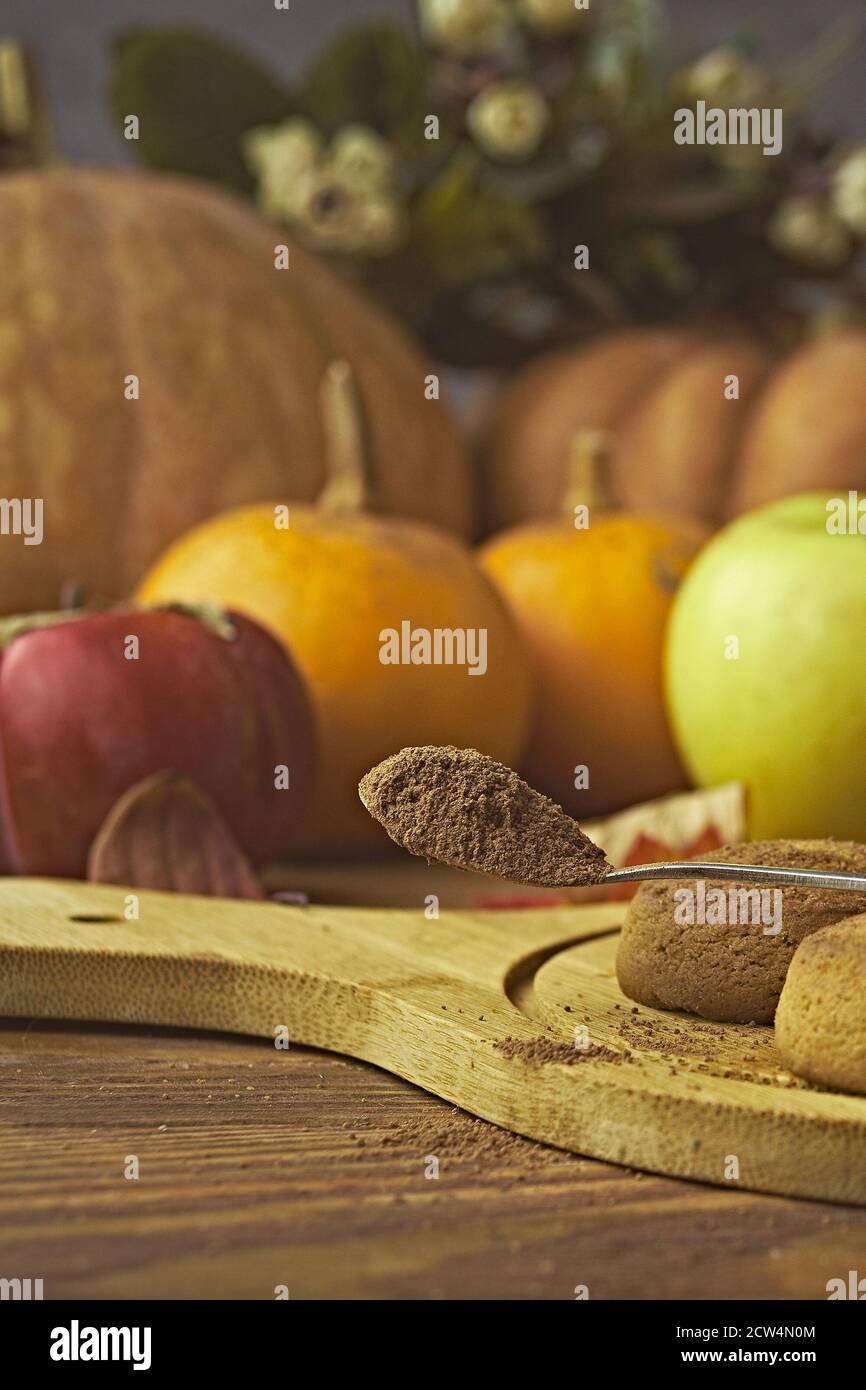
x,y
742,873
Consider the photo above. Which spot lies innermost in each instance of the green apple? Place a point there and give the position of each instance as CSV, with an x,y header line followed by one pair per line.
x,y
766,666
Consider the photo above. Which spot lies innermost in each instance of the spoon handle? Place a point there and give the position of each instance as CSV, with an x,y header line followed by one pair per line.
x,y
741,873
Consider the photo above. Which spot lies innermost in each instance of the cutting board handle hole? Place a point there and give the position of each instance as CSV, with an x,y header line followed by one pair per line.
x,y
92,917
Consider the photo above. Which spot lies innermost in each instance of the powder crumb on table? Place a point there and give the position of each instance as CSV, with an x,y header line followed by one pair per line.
x,y
537,1051
463,1138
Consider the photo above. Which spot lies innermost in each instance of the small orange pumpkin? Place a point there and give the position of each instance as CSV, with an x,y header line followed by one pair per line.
x,y
333,586
591,595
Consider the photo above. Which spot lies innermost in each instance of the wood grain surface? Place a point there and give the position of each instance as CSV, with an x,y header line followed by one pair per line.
x,y
515,1016
260,1168
299,1168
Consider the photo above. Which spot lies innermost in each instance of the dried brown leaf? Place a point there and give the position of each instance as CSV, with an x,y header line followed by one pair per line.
x,y
165,834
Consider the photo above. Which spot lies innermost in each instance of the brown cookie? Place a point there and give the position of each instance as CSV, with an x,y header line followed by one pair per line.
x,y
731,965
821,1018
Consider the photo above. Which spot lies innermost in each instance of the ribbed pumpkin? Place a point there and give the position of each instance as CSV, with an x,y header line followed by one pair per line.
x,y
108,275
331,584
679,444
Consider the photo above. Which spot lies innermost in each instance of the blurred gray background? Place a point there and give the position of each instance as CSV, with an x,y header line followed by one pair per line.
x,y
71,36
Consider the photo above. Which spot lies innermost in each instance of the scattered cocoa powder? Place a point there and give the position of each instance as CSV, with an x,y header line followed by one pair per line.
x,y
537,1051
459,807
462,1138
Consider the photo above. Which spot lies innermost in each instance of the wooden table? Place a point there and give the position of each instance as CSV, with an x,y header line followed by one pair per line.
x,y
261,1168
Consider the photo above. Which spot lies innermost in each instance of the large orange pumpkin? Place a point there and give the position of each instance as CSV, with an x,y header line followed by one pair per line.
x,y
108,275
682,443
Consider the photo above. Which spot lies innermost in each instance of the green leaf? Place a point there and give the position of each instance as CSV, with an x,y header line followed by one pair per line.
x,y
548,177
745,39
692,201
373,75
195,98
464,230
625,58
808,73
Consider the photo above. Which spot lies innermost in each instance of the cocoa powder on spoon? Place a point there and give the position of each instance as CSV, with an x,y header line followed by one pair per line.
x,y
459,807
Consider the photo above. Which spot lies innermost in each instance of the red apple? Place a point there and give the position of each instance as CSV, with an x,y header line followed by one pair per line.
x,y
91,704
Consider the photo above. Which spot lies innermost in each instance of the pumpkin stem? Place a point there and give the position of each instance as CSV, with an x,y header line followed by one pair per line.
x,y
588,472
26,134
347,447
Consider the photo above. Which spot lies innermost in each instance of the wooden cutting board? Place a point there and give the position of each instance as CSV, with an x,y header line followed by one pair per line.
x,y
465,1006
